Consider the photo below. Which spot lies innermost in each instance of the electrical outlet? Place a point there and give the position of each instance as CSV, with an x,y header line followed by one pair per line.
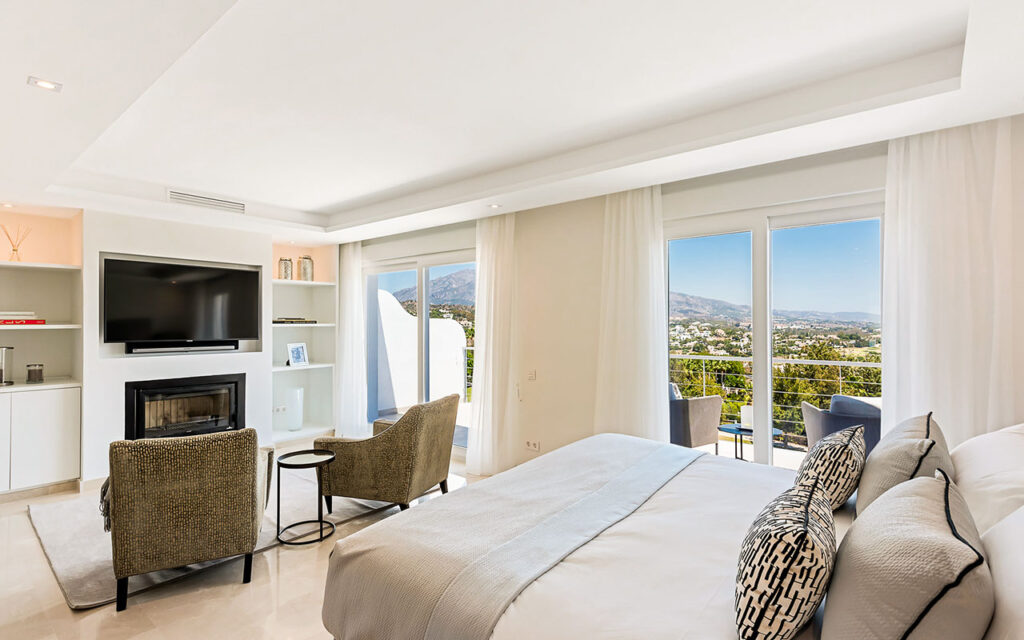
x,y
532,374
533,445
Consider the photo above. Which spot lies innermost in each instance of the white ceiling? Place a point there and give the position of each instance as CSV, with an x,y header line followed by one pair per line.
x,y
367,118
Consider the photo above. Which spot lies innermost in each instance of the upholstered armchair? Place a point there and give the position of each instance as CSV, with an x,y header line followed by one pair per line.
x,y
402,460
843,412
693,422
171,502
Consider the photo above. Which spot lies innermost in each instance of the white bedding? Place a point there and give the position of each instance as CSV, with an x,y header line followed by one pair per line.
x,y
664,568
666,571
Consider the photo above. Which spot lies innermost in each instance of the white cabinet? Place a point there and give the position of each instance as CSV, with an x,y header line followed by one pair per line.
x,y
5,441
45,442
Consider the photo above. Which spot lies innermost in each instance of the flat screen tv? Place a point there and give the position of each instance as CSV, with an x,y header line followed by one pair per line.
x,y
154,302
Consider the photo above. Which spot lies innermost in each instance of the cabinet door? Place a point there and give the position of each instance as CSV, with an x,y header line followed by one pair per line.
x,y
45,436
5,441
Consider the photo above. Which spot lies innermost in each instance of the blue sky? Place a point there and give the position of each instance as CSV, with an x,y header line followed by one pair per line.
x,y
398,280
835,267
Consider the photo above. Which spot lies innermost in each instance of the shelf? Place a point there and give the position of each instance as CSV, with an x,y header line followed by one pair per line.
x,y
37,327
312,365
303,283
39,266
49,383
306,432
307,325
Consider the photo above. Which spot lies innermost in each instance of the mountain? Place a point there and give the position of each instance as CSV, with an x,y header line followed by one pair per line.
x,y
458,287
686,306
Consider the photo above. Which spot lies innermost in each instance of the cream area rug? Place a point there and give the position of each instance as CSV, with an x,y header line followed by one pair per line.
x,y
72,536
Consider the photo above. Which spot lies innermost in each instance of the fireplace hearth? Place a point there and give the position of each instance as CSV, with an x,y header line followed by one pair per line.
x,y
184,406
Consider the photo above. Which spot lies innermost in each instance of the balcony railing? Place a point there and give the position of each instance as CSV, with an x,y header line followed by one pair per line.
x,y
793,380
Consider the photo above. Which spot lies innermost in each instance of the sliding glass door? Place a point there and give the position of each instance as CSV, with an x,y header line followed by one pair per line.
x,y
826,323
420,328
774,311
710,339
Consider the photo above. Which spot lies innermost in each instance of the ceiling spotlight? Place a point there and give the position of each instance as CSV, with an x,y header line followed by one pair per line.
x,y
8,205
49,85
495,206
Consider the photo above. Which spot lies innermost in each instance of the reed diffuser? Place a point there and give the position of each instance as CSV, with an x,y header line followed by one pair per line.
x,y
16,240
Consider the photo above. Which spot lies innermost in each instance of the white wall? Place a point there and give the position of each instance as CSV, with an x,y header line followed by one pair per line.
x,y
559,284
106,368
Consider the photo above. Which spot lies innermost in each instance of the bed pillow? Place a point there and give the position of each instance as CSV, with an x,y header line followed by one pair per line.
x,y
837,461
1002,549
911,566
990,474
915,448
785,563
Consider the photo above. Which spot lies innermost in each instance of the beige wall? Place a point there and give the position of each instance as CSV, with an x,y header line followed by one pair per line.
x,y
559,279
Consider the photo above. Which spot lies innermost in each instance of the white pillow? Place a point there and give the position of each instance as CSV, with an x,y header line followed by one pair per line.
x,y
1006,562
990,474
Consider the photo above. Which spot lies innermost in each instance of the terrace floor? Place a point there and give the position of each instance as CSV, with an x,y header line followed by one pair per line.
x,y
785,458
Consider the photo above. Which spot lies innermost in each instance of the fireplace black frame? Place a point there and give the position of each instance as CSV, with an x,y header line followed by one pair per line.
x,y
134,405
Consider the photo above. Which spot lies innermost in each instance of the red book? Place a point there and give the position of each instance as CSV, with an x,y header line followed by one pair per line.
x,y
30,321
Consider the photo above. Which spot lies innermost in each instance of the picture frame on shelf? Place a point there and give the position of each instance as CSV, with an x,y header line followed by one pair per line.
x,y
297,354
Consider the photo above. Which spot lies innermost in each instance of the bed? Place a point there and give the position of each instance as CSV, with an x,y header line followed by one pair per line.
x,y
609,537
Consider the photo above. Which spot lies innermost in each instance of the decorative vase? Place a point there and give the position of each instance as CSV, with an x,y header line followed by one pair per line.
x,y
306,268
294,409
284,269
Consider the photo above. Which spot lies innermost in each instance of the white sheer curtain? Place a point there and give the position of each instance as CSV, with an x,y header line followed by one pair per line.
x,y
953,291
352,420
632,349
491,438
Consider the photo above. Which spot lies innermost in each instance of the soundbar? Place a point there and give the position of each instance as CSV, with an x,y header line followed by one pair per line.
x,y
183,346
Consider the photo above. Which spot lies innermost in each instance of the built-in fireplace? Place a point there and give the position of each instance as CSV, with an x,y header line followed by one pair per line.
x,y
184,406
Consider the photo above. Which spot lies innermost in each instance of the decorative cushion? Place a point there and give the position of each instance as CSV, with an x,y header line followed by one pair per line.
x,y
1002,548
911,566
990,474
785,563
915,448
837,460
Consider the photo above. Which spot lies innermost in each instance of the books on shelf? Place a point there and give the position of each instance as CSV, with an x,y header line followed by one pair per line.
x,y
19,317
293,321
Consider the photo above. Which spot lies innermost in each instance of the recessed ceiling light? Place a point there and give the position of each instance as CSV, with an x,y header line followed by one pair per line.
x,y
8,205
495,206
49,85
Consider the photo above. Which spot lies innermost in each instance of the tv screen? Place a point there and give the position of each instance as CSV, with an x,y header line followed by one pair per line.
x,y
159,301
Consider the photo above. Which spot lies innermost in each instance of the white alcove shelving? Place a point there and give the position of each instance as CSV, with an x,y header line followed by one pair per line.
x,y
316,301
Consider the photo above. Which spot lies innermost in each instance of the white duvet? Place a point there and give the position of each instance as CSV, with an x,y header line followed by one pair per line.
x,y
666,571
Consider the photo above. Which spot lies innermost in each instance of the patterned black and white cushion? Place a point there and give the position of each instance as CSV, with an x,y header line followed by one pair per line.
x,y
837,460
785,564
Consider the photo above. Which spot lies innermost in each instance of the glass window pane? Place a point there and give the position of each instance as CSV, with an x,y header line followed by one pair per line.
x,y
392,343
710,348
452,317
826,301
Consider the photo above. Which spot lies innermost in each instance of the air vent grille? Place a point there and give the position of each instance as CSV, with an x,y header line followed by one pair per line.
x,y
182,197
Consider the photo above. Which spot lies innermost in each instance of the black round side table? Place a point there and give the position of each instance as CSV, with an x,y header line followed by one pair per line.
x,y
305,459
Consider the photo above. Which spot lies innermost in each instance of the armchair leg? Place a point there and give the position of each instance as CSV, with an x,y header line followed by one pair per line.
x,y
716,447
444,486
122,594
329,501
403,507
247,571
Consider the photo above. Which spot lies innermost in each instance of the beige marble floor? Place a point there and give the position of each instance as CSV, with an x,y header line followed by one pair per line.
x,y
283,600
